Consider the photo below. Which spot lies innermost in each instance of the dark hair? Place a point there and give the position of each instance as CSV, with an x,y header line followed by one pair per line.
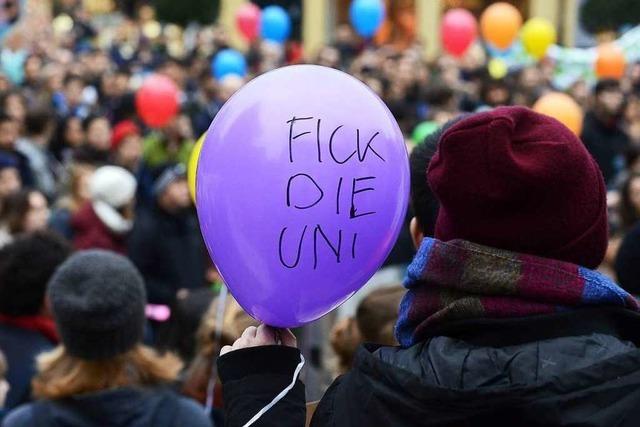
x,y
69,78
631,154
605,85
37,121
26,265
4,117
423,201
489,84
438,95
8,94
14,209
92,118
629,215
89,155
59,143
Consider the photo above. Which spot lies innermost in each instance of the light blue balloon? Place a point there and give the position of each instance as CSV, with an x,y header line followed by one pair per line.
x,y
275,24
228,61
366,16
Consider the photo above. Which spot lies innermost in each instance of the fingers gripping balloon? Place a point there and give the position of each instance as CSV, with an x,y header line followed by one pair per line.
x,y
302,187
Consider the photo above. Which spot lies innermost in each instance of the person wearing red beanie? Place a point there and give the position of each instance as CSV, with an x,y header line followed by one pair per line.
x,y
514,179
126,145
127,152
504,322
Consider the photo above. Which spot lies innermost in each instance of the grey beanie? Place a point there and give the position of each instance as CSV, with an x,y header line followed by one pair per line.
x,y
98,301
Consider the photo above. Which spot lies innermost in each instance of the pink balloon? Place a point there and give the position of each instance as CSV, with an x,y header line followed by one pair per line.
x,y
157,101
248,20
302,188
459,29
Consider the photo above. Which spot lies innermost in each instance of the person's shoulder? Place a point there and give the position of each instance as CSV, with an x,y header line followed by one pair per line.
x,y
20,416
191,413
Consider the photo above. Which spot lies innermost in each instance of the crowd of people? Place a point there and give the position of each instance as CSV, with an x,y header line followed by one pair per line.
x,y
112,313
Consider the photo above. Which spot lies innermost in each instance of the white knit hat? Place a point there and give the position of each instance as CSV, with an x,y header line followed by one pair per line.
x,y
112,187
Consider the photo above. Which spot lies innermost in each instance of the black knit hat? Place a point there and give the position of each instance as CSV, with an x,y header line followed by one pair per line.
x,y
98,302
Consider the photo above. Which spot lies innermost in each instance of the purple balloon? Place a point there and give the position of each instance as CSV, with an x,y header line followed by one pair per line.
x,y
302,188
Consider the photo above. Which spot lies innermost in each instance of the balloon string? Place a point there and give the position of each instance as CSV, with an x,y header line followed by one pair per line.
x,y
217,342
280,395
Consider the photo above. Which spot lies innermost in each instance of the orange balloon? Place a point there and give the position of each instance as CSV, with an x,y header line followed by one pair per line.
x,y
500,23
610,62
562,108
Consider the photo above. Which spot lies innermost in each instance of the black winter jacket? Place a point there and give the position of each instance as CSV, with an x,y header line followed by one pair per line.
x,y
606,144
169,252
573,368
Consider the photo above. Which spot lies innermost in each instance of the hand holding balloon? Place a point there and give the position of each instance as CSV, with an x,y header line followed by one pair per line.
x,y
262,335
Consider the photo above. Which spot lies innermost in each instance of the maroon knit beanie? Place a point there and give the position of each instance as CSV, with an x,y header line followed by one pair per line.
x,y
514,179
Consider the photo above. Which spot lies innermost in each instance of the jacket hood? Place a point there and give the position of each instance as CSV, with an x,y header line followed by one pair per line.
x,y
544,370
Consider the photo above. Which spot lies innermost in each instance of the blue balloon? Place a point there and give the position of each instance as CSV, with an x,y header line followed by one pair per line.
x,y
229,61
276,24
366,16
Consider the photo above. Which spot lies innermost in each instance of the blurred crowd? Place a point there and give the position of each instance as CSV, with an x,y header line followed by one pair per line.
x,y
80,170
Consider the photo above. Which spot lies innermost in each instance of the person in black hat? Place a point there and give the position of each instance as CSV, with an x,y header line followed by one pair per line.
x,y
102,374
166,244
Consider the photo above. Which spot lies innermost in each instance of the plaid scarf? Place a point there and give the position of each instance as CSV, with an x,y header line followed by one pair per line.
x,y
462,280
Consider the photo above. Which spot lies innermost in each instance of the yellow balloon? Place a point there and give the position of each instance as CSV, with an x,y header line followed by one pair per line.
x,y
497,68
192,167
537,35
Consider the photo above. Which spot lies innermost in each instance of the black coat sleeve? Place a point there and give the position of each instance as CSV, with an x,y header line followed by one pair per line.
x,y
252,377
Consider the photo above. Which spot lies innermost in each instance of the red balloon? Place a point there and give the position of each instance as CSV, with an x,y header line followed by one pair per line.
x,y
157,101
248,20
459,29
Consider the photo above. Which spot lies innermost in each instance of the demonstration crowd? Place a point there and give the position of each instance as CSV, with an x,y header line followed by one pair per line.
x,y
111,310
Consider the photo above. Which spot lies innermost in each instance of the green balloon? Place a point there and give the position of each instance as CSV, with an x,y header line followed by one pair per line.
x,y
422,131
